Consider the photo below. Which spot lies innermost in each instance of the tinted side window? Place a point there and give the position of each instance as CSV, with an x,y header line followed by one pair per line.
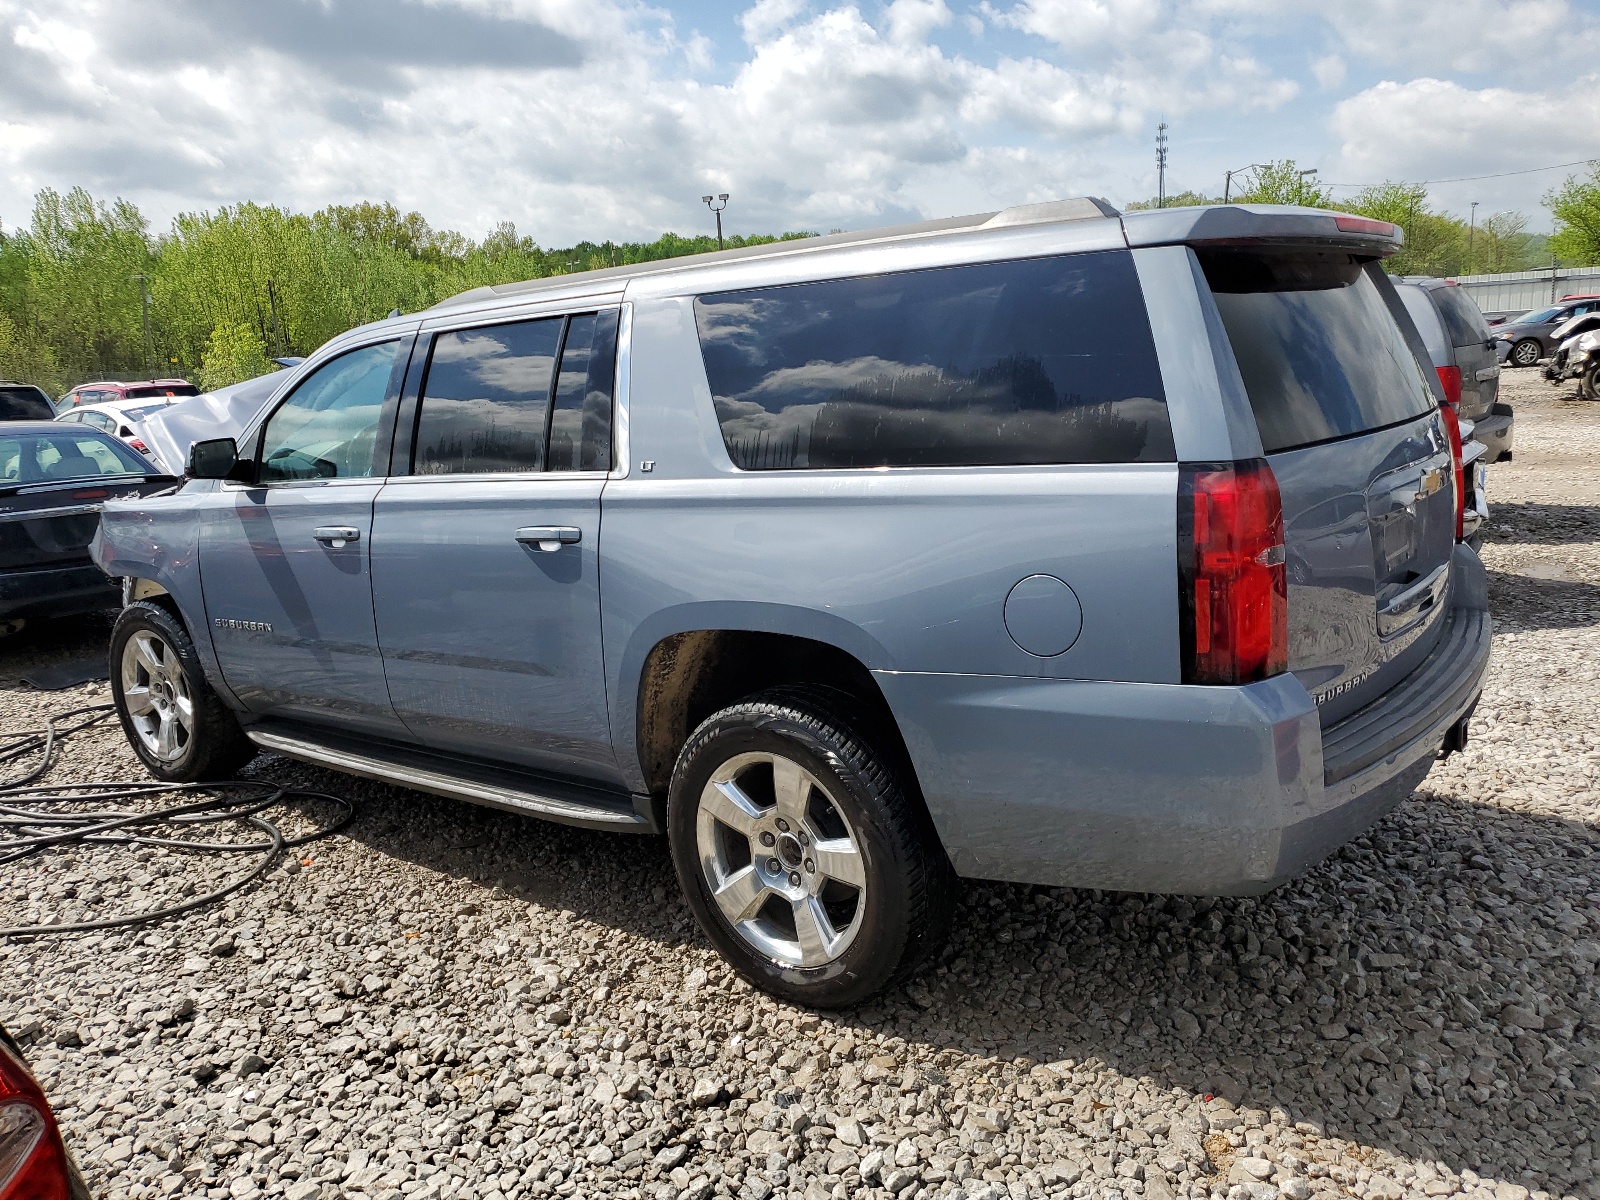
x,y
25,404
328,427
485,399
580,417
1319,350
1045,360
1461,317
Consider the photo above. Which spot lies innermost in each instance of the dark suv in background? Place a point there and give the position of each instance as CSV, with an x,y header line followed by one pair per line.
x,y
1531,336
1463,353
24,402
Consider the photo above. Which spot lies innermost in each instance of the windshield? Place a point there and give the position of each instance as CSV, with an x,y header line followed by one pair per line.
x,y
68,454
1537,316
1320,352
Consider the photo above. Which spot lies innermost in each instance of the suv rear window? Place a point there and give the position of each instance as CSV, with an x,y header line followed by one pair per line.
x,y
1462,317
25,404
1046,360
1321,355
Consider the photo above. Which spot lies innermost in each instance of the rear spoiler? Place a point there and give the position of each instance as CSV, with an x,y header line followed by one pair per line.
x,y
1263,224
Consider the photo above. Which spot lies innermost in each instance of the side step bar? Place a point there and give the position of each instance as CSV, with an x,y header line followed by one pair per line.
x,y
581,806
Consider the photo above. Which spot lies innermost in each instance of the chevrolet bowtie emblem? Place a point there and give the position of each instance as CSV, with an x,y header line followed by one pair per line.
x,y
1430,483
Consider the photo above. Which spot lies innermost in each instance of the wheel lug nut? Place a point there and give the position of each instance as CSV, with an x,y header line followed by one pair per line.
x,y
804,840
774,866
794,878
810,866
783,826
767,839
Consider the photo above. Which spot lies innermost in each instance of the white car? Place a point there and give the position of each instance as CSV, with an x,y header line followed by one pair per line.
x,y
122,419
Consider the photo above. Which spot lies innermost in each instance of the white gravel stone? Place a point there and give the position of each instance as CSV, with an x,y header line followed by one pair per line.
x,y
453,1001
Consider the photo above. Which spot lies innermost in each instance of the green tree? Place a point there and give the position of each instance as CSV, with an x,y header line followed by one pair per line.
x,y
1176,200
234,352
1281,182
1576,208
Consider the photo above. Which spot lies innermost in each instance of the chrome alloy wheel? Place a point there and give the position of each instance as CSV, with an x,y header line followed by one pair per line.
x,y
781,860
156,693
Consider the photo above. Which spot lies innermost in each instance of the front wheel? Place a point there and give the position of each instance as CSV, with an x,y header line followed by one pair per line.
x,y
1526,352
1589,385
806,858
176,724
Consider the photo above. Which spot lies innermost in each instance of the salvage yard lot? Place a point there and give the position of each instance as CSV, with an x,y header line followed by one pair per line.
x,y
451,1001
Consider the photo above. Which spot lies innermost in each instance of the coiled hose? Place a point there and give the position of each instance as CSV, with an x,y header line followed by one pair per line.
x,y
36,818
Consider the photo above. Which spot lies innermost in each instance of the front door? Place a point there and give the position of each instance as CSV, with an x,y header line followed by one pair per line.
x,y
284,560
485,558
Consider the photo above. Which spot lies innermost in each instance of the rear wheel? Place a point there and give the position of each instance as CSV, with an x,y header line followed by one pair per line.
x,y
1526,352
806,859
1589,385
176,724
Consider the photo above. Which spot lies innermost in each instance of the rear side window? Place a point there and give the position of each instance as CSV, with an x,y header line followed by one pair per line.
x,y
521,397
1319,350
25,404
1047,360
1461,317
485,399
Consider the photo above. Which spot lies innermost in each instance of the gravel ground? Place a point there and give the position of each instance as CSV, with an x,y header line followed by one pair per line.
x,y
450,1001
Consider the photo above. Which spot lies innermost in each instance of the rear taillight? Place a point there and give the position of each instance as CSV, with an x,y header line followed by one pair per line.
x,y
1450,380
139,446
1347,224
1452,428
33,1162
1231,573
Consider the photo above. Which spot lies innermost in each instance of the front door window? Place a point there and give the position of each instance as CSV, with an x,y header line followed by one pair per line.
x,y
328,429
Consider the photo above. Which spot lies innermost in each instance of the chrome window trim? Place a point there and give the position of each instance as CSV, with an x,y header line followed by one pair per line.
x,y
543,310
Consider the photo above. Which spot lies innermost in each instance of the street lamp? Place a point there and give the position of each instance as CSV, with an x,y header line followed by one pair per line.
x,y
1227,178
710,202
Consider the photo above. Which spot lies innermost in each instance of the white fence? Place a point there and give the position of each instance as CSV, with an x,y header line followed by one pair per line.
x,y
1518,291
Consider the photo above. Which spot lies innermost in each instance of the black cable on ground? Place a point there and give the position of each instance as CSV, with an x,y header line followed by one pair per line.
x,y
34,819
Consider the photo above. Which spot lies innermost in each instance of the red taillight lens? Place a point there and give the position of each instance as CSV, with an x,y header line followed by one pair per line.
x,y
139,446
1450,380
1231,573
1452,428
1348,224
33,1162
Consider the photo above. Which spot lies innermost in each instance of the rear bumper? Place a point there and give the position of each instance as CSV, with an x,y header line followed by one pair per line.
x,y
1167,788
1495,432
57,591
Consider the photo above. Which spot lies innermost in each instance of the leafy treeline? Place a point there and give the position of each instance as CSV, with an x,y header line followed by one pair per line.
x,y
229,290
1437,243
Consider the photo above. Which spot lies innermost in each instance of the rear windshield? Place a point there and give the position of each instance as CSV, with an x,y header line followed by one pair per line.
x,y
25,404
1046,360
1461,317
160,389
1320,352
68,454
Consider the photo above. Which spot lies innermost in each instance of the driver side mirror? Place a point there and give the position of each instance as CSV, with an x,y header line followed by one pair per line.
x,y
217,458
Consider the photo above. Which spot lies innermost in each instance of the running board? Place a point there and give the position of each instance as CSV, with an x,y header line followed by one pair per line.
x,y
581,806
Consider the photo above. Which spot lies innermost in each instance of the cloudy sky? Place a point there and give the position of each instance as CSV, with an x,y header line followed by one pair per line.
x,y
610,118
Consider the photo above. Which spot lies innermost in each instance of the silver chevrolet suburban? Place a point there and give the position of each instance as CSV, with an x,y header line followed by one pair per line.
x,y
1049,545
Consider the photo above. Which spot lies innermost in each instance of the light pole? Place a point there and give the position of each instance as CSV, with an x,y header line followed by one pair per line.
x,y
711,203
1472,233
1227,178
1161,165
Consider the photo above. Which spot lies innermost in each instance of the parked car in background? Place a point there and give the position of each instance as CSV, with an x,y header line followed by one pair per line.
x,y
53,481
960,548
107,391
35,1163
1463,352
24,402
1531,336
124,419
1577,355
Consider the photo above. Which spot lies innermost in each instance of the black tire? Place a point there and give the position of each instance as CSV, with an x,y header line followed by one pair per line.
x,y
1526,353
908,895
211,746
1589,385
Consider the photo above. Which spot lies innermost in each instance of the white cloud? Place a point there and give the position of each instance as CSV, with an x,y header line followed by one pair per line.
x,y
1329,70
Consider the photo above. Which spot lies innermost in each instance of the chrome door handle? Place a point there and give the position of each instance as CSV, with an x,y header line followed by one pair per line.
x,y
336,535
549,537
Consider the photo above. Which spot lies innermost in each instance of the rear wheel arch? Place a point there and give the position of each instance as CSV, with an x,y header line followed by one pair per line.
x,y
688,676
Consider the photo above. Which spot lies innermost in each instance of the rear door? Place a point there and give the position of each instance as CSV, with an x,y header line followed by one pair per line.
x,y
485,547
1349,422
1473,348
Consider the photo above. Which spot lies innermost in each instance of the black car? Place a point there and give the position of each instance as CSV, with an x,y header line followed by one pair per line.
x,y
24,402
53,480
1531,336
